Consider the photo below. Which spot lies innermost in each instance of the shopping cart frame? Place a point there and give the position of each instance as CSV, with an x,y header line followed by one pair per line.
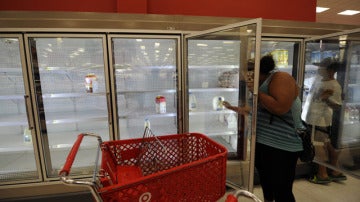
x,y
65,171
218,154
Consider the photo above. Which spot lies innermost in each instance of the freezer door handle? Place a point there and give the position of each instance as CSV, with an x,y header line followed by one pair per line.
x,y
26,97
109,108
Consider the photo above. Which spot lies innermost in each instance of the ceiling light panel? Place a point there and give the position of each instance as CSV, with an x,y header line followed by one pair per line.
x,y
321,9
349,12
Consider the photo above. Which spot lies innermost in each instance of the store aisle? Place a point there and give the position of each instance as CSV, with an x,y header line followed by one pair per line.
x,y
334,192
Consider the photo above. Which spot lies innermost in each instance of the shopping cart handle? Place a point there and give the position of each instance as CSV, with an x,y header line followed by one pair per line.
x,y
234,197
231,198
71,156
69,162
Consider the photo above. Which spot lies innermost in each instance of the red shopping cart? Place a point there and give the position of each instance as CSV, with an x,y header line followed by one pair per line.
x,y
179,167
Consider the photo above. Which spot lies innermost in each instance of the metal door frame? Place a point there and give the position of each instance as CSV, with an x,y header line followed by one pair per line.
x,y
178,69
258,23
28,105
45,157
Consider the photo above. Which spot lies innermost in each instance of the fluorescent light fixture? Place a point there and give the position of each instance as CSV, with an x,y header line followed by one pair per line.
x,y
349,12
321,9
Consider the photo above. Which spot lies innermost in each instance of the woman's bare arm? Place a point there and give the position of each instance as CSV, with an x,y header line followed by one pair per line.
x,y
282,92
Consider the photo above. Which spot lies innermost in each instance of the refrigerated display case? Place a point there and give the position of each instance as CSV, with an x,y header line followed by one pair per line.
x,y
18,151
145,70
70,96
64,89
345,137
216,69
84,111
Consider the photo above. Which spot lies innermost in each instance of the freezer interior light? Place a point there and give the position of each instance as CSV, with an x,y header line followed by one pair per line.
x,y
349,12
55,121
202,44
52,68
321,9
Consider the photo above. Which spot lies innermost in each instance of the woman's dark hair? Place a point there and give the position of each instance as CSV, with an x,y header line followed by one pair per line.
x,y
267,64
335,66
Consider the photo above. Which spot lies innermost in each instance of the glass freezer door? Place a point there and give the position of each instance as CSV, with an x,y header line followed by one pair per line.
x,y
217,68
69,80
18,161
145,71
342,120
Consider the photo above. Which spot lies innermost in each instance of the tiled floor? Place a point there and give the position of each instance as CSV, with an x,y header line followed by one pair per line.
x,y
305,191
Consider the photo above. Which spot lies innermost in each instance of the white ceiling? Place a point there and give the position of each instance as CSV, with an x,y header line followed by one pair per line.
x,y
336,6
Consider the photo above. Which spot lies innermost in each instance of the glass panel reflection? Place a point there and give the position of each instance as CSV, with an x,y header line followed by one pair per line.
x,y
337,126
217,67
17,160
145,74
71,98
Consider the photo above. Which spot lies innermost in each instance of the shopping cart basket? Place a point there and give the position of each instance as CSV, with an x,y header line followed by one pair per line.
x,y
178,167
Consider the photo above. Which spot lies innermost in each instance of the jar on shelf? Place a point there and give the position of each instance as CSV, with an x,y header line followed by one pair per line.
x,y
192,102
160,102
91,83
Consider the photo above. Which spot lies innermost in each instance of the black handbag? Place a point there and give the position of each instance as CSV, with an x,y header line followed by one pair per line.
x,y
308,153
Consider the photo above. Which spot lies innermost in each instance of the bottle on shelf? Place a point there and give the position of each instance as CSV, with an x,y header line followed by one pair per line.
x,y
27,136
192,102
91,83
231,121
222,117
160,102
218,103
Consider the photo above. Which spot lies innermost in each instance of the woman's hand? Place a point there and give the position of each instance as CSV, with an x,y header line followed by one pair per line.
x,y
226,104
241,110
